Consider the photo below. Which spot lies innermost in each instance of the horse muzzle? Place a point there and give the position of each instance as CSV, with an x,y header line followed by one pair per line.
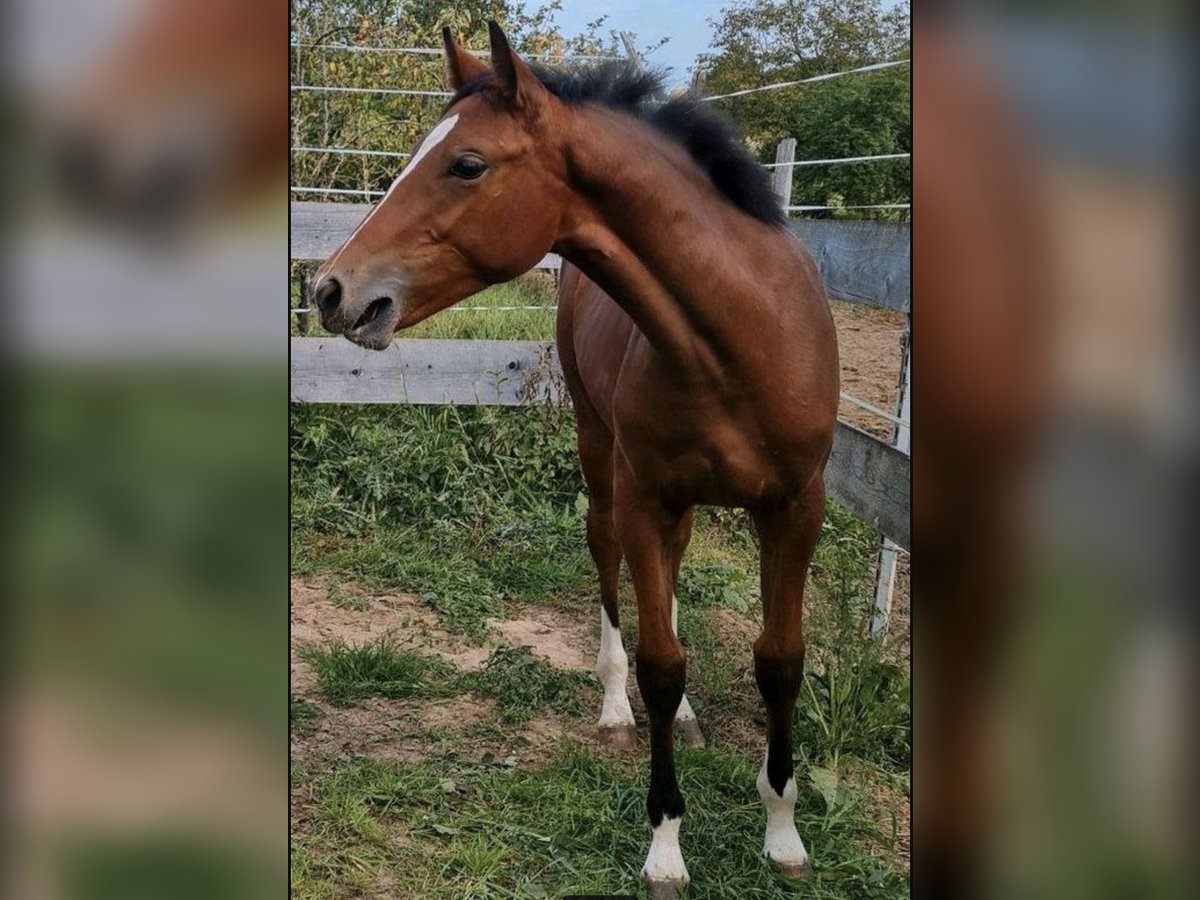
x,y
368,319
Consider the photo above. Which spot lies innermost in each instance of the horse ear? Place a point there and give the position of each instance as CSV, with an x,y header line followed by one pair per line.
x,y
515,79
461,66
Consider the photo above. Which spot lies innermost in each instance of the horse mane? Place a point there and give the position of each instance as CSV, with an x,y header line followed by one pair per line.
x,y
708,136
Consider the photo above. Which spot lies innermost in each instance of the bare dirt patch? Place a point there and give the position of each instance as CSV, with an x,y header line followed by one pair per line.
x,y
410,730
316,621
553,636
392,730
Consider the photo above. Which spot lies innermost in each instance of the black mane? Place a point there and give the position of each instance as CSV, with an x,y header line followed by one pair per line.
x,y
704,133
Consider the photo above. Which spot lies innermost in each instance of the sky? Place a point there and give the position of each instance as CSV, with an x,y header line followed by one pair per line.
x,y
684,21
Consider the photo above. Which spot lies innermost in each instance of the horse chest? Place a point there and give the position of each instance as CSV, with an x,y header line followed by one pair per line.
x,y
699,453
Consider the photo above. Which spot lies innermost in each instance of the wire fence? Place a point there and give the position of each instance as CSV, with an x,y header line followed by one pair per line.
x,y
780,85
432,51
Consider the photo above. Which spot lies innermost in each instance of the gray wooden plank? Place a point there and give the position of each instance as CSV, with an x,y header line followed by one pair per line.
x,y
318,229
464,372
865,475
873,481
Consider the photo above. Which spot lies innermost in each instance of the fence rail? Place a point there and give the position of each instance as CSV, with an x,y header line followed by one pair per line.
x,y
865,475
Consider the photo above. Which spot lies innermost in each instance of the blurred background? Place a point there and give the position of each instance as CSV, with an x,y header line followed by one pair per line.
x,y
147,367
1056,433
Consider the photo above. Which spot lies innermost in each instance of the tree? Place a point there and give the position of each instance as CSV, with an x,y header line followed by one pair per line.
x,y
765,41
393,123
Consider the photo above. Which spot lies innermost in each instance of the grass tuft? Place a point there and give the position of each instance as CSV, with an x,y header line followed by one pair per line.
x,y
347,674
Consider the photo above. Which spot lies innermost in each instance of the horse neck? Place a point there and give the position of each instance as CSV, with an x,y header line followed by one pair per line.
x,y
647,227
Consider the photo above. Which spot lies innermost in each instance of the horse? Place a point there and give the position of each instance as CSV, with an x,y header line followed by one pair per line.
x,y
696,341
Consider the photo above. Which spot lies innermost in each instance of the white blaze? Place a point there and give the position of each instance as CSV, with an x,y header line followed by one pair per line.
x,y
665,860
435,137
612,668
782,842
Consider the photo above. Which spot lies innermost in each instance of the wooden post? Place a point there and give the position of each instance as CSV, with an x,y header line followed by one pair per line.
x,y
885,580
304,319
631,49
781,179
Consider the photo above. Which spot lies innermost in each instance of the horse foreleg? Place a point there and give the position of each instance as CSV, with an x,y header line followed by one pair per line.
x,y
788,535
647,532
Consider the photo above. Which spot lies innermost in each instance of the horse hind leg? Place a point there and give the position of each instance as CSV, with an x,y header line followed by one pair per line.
x,y
616,726
686,723
788,535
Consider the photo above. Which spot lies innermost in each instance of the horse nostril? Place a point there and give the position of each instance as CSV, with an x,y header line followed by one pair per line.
x,y
329,297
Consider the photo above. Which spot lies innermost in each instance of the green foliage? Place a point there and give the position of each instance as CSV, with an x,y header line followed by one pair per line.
x,y
524,685
355,469
715,582
395,122
858,706
346,674
575,825
764,41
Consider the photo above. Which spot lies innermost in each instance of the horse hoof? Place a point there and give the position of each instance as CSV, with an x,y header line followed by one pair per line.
x,y
658,889
689,730
799,871
620,737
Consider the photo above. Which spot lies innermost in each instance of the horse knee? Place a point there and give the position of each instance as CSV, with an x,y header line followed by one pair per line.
x,y
661,676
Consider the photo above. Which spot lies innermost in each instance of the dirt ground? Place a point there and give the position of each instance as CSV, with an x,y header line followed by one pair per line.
x,y
409,730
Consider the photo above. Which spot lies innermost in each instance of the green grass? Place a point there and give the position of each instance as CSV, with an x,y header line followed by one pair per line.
x,y
576,824
347,674
344,599
522,685
304,716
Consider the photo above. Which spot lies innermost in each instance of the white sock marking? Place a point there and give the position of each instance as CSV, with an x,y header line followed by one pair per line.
x,y
782,842
612,668
664,862
685,709
435,137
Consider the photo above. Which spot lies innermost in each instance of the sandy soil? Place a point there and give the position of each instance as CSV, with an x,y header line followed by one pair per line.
x,y
869,343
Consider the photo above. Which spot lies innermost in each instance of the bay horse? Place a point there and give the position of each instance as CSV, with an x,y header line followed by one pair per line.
x,y
697,344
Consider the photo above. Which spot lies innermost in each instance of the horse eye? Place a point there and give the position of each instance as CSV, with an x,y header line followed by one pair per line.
x,y
468,168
